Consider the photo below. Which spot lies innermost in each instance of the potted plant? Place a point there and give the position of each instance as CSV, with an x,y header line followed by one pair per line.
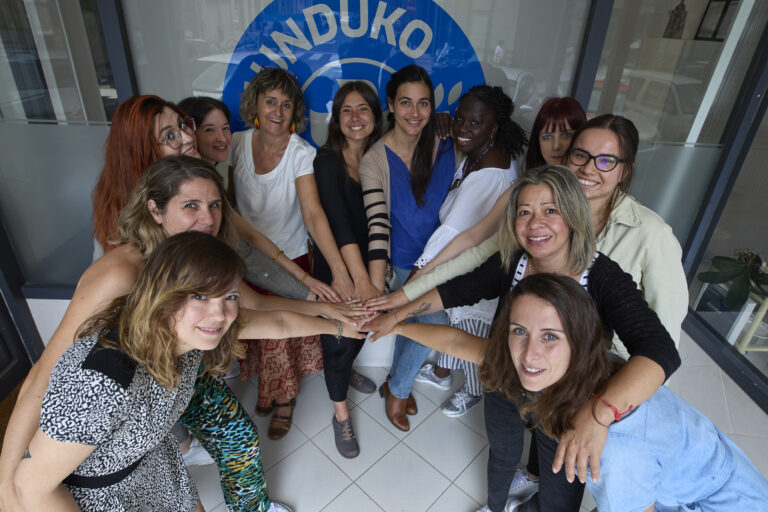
x,y
746,274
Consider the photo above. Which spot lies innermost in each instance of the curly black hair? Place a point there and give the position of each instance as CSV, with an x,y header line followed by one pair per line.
x,y
510,135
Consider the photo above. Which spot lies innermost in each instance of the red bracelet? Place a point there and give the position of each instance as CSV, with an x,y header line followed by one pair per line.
x,y
618,416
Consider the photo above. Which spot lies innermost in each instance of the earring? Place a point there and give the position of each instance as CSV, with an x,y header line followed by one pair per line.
x,y
293,128
256,122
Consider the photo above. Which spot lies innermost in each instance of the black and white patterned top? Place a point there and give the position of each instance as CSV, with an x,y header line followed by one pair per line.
x,y
100,397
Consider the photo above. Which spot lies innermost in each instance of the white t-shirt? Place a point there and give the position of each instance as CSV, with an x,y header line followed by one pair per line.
x,y
269,201
464,207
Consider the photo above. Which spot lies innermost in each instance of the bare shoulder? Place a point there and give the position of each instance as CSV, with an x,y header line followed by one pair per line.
x,y
112,275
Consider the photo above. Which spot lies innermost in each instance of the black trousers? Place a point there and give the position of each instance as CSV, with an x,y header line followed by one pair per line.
x,y
505,429
338,356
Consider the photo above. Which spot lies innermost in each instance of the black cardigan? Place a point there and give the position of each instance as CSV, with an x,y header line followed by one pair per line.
x,y
619,302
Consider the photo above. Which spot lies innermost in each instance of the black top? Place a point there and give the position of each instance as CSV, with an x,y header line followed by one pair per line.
x,y
619,302
342,200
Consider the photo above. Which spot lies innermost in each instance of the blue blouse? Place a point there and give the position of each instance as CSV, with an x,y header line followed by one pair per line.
x,y
412,225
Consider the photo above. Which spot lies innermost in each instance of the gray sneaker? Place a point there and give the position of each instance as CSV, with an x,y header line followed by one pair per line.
x,y
523,487
346,442
427,376
361,383
459,404
278,507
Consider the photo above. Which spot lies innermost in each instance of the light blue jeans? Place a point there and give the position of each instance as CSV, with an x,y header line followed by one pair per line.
x,y
409,355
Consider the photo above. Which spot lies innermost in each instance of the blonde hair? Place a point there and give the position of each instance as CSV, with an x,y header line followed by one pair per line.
x,y
572,206
161,183
185,264
267,80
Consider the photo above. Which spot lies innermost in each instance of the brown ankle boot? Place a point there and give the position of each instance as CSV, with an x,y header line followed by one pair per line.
x,y
395,408
410,406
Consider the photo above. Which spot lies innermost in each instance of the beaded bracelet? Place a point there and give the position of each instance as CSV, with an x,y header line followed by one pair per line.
x,y
618,416
277,255
341,329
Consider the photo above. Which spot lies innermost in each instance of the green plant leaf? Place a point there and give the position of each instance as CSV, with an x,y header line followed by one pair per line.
x,y
738,292
719,276
726,263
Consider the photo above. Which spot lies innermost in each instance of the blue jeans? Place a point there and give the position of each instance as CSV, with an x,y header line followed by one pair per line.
x,y
409,355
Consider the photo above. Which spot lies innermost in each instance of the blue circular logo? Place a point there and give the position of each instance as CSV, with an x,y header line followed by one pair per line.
x,y
325,44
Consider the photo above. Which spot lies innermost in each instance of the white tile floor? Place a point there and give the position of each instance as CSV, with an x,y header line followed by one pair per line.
x,y
411,471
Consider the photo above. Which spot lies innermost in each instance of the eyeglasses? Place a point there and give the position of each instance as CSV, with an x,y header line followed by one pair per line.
x,y
604,163
173,137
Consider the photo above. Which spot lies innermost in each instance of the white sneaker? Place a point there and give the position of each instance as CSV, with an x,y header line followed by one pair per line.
x,y
510,506
427,376
522,487
197,456
459,404
278,507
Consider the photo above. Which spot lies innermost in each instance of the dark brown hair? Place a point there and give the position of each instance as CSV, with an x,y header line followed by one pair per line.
x,y
267,80
336,141
421,162
553,408
626,133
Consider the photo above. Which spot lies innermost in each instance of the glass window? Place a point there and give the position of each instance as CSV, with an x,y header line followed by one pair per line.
x,y
57,91
679,90
736,307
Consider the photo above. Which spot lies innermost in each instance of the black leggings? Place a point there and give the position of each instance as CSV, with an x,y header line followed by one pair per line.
x,y
338,356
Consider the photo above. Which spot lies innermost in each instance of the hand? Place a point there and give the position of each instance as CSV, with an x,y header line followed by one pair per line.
x,y
381,326
324,292
584,442
343,285
443,124
350,313
387,302
352,332
365,290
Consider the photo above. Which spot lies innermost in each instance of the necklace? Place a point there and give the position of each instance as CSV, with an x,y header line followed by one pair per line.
x,y
470,167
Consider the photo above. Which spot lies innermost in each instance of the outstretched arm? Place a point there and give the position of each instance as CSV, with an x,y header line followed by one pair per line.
x,y
317,224
264,245
448,340
487,226
383,325
287,324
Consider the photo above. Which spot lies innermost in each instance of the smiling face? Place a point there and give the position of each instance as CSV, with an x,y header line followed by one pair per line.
x,y
537,343
356,118
202,320
412,108
474,126
554,142
540,230
168,126
598,186
275,111
214,137
197,207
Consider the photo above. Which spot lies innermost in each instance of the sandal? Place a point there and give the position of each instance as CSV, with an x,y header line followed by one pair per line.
x,y
265,411
281,424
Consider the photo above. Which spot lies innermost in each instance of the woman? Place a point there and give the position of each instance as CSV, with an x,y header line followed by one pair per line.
x,y
213,138
491,141
144,129
354,126
547,229
548,351
176,194
405,177
212,120
552,131
115,394
271,181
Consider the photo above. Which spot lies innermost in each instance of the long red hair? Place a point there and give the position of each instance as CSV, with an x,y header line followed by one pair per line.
x,y
130,148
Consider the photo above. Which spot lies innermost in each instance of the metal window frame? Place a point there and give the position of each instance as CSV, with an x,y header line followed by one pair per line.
x,y
595,32
118,48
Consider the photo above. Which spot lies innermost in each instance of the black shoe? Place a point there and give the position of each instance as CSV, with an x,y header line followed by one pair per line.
x,y
361,383
346,442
